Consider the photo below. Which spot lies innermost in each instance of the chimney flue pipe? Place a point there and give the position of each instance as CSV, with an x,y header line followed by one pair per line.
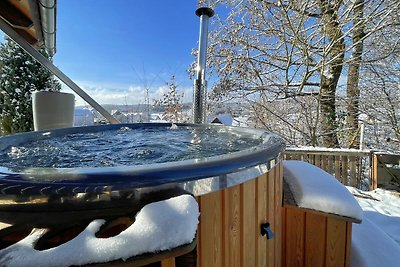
x,y
200,83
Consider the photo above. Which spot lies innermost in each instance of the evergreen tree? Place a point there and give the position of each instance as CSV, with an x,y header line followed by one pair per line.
x,y
20,76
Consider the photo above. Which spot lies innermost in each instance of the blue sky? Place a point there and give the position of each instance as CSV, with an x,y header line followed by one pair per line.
x,y
112,51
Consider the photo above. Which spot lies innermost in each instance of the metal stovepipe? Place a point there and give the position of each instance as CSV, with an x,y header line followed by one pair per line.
x,y
200,83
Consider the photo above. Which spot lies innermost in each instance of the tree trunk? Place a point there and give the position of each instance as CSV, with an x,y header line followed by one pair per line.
x,y
330,73
353,91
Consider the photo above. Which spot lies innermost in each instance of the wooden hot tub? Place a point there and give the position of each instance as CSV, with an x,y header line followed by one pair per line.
x,y
239,193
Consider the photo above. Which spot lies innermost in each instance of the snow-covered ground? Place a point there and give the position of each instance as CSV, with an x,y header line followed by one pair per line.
x,y
376,241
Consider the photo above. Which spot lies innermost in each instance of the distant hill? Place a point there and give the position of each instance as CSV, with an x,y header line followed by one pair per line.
x,y
138,107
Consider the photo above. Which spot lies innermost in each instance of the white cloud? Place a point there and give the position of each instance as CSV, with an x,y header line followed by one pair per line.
x,y
121,94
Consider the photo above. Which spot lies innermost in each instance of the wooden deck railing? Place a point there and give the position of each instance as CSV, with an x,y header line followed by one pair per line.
x,y
363,169
350,166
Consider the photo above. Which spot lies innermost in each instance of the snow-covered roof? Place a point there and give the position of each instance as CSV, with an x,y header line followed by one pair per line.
x,y
225,119
158,226
315,189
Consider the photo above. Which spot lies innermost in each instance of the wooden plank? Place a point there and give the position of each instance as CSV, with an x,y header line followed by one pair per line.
x,y
270,253
315,238
262,191
211,230
284,223
374,172
349,226
326,151
338,172
168,256
232,227
311,159
324,163
359,171
249,225
330,165
353,174
168,262
335,242
294,237
278,214
199,234
345,170
317,161
12,14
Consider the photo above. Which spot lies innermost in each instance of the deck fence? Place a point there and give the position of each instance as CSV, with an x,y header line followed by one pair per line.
x,y
350,166
363,169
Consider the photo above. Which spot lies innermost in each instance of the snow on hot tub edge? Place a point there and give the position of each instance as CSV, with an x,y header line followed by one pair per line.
x,y
158,226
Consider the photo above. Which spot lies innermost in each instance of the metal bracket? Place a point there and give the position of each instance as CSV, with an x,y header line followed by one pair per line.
x,y
266,230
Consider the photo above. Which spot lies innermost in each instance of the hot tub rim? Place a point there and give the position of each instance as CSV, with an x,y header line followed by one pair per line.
x,y
168,172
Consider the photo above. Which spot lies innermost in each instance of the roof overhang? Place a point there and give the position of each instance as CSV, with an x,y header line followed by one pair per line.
x,y
33,20
32,24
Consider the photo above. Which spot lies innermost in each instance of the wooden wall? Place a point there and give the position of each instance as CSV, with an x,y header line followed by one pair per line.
x,y
229,229
314,239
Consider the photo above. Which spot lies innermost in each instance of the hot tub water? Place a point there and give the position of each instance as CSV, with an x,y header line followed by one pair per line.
x,y
124,147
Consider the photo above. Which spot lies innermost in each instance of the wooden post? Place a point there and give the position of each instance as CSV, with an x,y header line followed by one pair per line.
x,y
374,171
353,176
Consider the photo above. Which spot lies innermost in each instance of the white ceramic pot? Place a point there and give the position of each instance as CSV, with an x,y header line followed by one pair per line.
x,y
52,110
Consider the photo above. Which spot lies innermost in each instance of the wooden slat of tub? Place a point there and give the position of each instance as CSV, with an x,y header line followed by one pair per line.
x,y
249,224
315,238
294,233
211,230
349,228
271,216
284,241
233,238
335,242
262,191
232,226
278,215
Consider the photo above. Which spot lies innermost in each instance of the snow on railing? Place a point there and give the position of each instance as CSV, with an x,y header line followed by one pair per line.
x,y
350,166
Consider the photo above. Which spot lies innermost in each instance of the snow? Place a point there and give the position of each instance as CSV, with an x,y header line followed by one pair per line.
x,y
376,241
158,226
83,117
315,189
241,121
327,149
224,119
328,73
371,247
